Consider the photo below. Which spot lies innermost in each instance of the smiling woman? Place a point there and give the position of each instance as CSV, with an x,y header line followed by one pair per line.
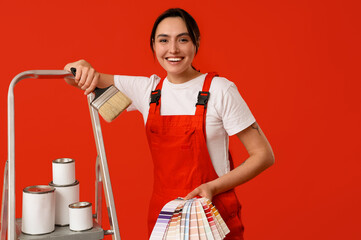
x,y
175,50
188,122
175,40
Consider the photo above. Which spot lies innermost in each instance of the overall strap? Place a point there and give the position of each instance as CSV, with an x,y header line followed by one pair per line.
x,y
155,99
203,97
201,105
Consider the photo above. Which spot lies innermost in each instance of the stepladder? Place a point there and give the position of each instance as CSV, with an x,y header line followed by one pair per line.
x,y
10,226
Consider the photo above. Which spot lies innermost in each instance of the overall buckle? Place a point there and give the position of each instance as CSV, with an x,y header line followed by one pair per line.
x,y
155,96
203,98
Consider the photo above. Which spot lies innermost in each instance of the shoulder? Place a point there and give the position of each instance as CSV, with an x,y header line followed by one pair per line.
x,y
152,78
221,84
138,89
136,82
155,78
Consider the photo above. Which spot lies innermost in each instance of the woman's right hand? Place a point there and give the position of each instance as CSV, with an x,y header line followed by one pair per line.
x,y
86,77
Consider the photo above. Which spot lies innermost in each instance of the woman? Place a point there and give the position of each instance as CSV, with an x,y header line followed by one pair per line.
x,y
188,131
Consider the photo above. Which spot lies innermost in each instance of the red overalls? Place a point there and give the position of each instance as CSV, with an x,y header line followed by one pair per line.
x,y
182,162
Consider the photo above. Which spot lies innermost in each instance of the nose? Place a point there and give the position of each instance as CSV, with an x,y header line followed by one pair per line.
x,y
174,48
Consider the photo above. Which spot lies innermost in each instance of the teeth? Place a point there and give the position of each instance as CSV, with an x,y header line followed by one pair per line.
x,y
174,59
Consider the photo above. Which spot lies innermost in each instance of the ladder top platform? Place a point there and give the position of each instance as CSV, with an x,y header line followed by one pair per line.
x,y
63,233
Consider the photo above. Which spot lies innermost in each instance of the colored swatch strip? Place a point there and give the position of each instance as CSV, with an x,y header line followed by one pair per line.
x,y
206,223
174,224
221,222
193,224
194,219
187,220
183,219
201,226
213,223
165,215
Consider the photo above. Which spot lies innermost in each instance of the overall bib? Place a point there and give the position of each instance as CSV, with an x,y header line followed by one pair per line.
x,y
182,162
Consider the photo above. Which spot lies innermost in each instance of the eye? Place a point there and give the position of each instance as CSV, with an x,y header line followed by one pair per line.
x,y
184,40
163,40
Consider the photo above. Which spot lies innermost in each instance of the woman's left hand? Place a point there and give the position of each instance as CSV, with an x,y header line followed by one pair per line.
x,y
205,190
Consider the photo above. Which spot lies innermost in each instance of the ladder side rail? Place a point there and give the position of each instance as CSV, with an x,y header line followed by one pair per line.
x,y
11,138
98,192
4,205
104,170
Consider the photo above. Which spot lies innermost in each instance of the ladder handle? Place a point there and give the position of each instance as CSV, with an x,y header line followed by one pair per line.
x,y
46,74
42,74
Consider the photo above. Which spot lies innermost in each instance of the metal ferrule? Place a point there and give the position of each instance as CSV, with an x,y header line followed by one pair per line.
x,y
110,92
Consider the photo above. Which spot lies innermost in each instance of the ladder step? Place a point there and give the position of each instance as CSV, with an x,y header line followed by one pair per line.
x,y
63,233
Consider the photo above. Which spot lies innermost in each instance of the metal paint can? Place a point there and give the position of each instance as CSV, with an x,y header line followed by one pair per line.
x,y
80,216
63,171
64,195
38,210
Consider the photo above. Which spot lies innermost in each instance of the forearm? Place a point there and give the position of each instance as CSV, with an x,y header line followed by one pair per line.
x,y
105,80
249,169
260,158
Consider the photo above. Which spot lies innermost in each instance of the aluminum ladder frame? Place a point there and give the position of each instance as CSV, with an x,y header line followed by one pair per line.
x,y
8,219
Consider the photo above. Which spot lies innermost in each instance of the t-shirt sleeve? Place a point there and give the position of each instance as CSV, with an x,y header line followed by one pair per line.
x,y
236,115
137,88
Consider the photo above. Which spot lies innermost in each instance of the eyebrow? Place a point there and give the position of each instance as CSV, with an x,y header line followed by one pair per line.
x,y
179,35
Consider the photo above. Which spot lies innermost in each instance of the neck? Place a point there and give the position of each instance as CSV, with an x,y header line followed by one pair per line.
x,y
183,77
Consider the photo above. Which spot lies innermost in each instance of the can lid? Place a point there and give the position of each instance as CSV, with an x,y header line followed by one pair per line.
x,y
39,189
59,186
63,160
80,205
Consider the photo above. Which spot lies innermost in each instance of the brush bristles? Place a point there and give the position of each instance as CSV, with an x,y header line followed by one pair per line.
x,y
114,106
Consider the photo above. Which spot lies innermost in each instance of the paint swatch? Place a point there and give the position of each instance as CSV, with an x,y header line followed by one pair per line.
x,y
194,219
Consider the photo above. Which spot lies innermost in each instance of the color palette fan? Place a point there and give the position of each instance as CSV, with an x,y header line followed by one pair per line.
x,y
196,218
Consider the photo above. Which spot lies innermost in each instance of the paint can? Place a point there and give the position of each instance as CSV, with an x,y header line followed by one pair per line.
x,y
38,210
80,216
63,171
64,195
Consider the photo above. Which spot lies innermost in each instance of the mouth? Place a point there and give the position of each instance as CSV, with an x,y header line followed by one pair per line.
x,y
174,59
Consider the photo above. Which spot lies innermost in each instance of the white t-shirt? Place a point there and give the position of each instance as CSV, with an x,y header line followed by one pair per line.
x,y
227,112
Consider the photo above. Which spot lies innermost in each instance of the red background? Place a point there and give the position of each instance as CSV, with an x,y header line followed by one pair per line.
x,y
296,63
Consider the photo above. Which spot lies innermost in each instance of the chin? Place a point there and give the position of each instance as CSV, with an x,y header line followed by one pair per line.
x,y
176,70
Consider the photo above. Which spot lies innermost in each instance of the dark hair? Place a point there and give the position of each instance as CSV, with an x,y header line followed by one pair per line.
x,y
191,24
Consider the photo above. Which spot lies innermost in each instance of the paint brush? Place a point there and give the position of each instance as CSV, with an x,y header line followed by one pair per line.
x,y
109,102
